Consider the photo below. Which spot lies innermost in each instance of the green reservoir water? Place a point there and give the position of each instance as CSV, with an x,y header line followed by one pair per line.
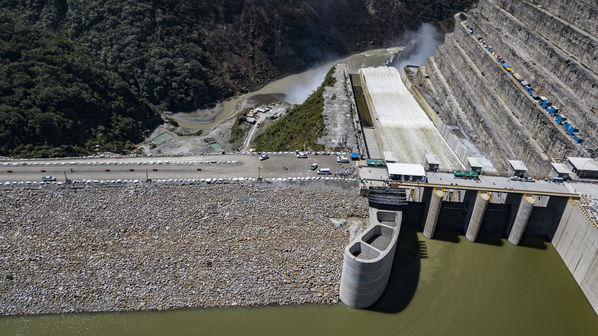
x,y
439,287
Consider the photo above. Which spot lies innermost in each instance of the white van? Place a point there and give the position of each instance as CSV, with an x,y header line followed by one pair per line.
x,y
324,171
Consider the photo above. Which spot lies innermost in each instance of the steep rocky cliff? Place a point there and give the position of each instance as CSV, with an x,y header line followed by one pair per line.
x,y
552,46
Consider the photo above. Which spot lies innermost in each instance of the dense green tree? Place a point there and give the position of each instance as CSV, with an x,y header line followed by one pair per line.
x,y
54,97
75,74
181,55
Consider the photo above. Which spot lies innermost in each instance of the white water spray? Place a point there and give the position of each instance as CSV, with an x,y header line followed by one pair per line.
x,y
425,40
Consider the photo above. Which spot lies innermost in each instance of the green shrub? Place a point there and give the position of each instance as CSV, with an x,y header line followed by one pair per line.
x,y
196,133
300,127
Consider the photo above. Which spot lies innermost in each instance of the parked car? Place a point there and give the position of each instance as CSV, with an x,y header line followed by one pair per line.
x,y
48,179
264,157
342,159
301,156
324,171
529,179
313,166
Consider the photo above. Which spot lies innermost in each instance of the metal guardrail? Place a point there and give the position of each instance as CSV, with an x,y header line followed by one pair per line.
x,y
481,188
578,204
387,196
586,213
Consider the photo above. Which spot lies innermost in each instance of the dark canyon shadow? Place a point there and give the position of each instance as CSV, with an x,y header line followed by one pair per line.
x,y
405,272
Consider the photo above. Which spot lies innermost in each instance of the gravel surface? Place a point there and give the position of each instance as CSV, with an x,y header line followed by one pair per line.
x,y
147,247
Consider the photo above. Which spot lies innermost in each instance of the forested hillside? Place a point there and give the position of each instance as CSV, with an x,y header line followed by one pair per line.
x,y
55,99
181,55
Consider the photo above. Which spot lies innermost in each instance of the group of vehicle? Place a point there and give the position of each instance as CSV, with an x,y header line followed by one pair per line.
x,y
351,171
522,179
544,102
299,156
321,171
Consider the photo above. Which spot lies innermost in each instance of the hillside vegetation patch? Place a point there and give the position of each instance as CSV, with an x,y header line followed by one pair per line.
x,y
301,127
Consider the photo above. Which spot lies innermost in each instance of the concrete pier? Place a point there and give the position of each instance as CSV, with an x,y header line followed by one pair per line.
x,y
524,211
475,221
433,212
368,259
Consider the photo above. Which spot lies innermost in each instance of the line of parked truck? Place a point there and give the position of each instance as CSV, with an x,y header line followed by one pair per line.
x,y
544,102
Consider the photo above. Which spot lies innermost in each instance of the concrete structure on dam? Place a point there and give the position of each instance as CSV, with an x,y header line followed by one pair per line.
x,y
562,218
433,211
516,83
526,206
473,210
576,241
475,221
368,259
519,81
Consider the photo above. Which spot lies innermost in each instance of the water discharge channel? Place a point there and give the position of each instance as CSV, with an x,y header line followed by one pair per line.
x,y
402,125
438,287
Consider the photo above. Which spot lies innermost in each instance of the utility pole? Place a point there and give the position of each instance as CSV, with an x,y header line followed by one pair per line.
x,y
66,180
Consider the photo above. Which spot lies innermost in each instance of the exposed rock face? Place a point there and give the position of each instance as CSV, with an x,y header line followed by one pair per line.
x,y
469,88
582,13
338,113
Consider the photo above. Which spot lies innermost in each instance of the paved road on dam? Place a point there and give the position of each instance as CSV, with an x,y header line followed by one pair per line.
x,y
218,166
486,183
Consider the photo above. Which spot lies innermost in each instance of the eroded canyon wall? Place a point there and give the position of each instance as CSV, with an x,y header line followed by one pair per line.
x,y
468,87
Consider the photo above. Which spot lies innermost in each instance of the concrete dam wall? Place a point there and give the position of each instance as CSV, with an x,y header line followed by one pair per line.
x,y
576,240
469,89
565,222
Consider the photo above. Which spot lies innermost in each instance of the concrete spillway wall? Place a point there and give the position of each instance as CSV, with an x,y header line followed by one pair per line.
x,y
456,143
576,241
368,259
401,124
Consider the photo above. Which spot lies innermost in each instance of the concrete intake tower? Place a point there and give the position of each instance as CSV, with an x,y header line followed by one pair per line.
x,y
368,260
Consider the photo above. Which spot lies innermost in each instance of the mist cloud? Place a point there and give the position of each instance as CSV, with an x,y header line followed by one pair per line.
x,y
305,83
425,40
420,45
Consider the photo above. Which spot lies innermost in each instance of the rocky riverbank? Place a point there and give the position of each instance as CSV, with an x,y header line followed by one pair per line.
x,y
149,247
